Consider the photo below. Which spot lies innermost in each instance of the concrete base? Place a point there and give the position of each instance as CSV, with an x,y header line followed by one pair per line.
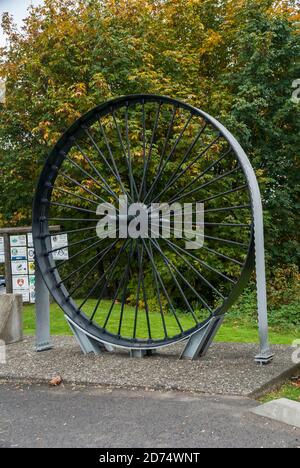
x,y
282,410
11,318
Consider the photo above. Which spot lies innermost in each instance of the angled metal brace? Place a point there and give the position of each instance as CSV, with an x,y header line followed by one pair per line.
x,y
200,341
87,344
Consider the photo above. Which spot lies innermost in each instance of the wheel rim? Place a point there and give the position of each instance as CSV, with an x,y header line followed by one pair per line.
x,y
151,149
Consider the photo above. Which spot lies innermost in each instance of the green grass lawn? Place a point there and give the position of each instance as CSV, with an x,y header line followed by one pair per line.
x,y
288,390
232,330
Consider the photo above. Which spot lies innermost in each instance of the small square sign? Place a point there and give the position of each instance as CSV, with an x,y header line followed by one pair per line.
x,y
18,253
31,268
29,240
18,241
30,254
25,296
32,297
31,282
19,267
32,289
20,283
60,242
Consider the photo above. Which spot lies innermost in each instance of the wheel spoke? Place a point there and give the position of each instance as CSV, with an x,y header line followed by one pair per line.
x,y
219,239
144,147
79,253
206,170
143,188
133,187
131,178
121,282
79,220
206,184
175,176
140,270
81,282
103,275
203,302
72,207
72,231
222,194
155,276
168,263
141,256
94,257
178,249
118,176
125,288
104,187
176,144
112,170
65,176
92,165
164,288
108,274
81,241
58,189
158,173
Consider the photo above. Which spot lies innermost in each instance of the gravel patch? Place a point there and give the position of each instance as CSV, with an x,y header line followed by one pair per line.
x,y
227,369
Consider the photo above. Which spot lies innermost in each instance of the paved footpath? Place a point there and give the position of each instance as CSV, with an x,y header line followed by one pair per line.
x,y
87,416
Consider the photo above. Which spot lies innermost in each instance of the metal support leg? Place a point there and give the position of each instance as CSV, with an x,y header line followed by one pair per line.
x,y
200,341
140,353
42,311
265,355
86,343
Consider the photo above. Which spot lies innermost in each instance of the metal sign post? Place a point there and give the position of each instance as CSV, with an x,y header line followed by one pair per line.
x,y
8,275
42,300
42,311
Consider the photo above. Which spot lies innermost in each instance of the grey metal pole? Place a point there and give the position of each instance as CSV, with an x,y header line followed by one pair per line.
x,y
265,355
42,311
7,260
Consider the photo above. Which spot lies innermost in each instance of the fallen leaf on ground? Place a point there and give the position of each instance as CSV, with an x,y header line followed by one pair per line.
x,y
296,381
57,380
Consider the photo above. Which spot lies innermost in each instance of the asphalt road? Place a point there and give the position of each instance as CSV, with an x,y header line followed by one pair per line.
x,y
42,416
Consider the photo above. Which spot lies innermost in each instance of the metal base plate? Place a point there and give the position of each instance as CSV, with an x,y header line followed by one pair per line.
x,y
43,346
264,358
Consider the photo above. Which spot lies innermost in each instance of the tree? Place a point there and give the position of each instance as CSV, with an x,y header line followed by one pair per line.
x,y
234,59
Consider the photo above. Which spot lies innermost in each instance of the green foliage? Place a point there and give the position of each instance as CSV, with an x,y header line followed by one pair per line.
x,y
284,311
234,59
267,122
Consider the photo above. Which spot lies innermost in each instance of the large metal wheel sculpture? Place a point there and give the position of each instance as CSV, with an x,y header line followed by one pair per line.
x,y
145,292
